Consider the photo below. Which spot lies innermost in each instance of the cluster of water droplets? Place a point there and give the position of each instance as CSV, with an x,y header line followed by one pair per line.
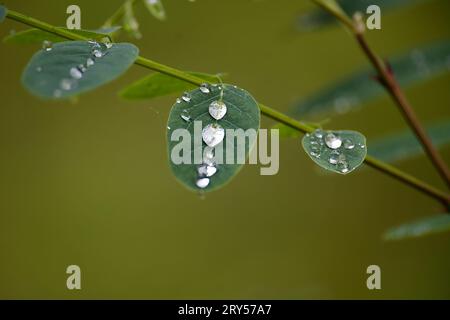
x,y
76,73
212,134
333,147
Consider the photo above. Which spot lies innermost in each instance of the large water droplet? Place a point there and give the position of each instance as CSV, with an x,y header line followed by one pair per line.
x,y
204,88
213,134
47,45
348,144
75,73
332,141
217,110
185,115
186,97
206,171
202,183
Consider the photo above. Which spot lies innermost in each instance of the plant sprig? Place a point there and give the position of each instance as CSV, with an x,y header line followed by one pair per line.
x,y
265,110
388,80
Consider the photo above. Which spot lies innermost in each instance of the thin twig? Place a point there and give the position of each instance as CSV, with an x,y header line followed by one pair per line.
x,y
389,82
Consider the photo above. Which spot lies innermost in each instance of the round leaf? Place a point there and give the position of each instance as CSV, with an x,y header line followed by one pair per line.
x,y
51,74
337,151
192,114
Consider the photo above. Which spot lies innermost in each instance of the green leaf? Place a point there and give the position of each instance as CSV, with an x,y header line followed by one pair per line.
x,y
52,74
318,18
3,13
242,113
431,225
337,151
405,145
156,8
31,36
158,84
418,65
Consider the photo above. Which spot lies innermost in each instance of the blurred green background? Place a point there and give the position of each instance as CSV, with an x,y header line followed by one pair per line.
x,y
88,183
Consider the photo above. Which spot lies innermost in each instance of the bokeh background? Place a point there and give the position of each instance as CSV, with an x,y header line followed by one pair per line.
x,y
88,182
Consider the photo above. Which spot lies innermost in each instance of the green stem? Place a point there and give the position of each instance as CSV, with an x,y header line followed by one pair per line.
x,y
265,110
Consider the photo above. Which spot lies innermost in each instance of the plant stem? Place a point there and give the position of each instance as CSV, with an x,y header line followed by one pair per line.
x,y
265,110
389,82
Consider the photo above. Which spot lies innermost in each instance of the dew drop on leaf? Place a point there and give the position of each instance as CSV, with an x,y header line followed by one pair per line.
x,y
213,134
206,171
186,97
348,144
217,109
76,74
332,141
204,88
202,183
185,115
47,45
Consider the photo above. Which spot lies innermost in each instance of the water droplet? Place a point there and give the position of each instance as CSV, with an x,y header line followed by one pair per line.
x,y
39,69
217,110
342,163
348,144
97,53
90,62
202,183
334,158
332,141
186,97
168,128
206,171
208,153
178,100
67,84
108,45
362,146
185,115
47,45
213,134
82,68
76,74
315,154
343,167
204,88
318,133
